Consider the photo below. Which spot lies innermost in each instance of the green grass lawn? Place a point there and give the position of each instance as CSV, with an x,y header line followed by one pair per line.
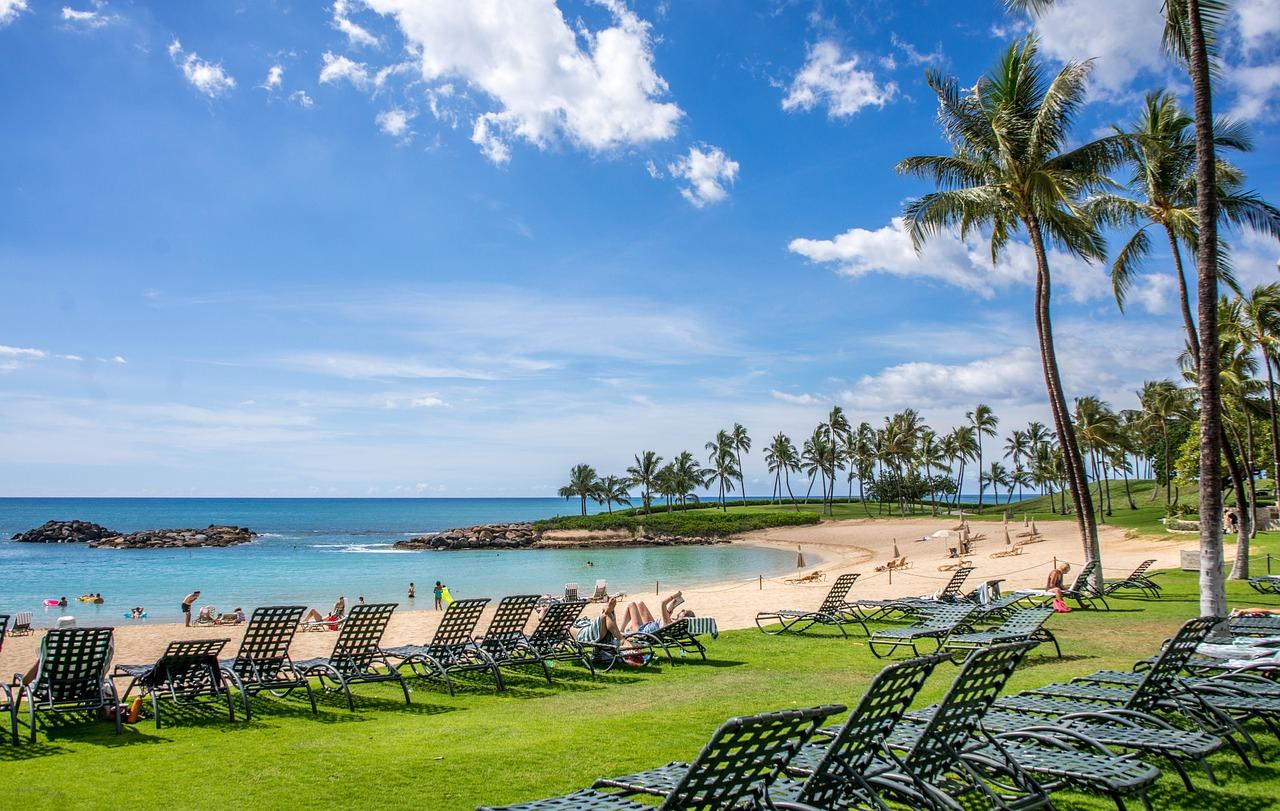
x,y
536,740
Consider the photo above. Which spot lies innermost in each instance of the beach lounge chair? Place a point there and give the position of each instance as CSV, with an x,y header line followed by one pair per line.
x,y
601,594
606,652
1027,623
1081,590
205,616
21,624
951,593
71,676
452,648
8,708
357,657
263,662
832,773
1138,579
570,592
504,639
937,623
681,635
1266,584
733,770
551,640
1262,625
4,628
835,611
186,673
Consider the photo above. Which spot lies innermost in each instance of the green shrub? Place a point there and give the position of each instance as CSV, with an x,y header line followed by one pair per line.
x,y
694,523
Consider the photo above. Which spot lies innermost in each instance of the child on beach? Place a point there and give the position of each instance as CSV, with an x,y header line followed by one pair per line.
x,y
438,591
411,591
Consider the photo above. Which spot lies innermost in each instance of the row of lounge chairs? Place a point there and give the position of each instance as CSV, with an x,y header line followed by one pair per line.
x,y
73,666
975,747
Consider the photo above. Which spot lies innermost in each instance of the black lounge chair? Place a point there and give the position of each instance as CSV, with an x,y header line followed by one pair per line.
x,y
1266,584
551,640
938,623
504,639
733,770
263,663
937,762
1266,625
1082,590
675,636
71,676
186,673
452,648
833,773
1027,623
1138,579
357,657
835,611
4,628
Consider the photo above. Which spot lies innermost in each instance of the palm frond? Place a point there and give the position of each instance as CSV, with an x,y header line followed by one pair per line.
x,y
1126,263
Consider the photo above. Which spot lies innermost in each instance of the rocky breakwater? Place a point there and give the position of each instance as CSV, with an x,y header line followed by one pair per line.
x,y
65,532
212,535
484,536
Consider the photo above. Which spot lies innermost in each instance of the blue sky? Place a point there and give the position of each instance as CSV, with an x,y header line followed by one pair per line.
x,y
398,247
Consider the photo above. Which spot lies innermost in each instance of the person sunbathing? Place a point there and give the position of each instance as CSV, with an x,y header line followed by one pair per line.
x,y
611,634
638,618
336,613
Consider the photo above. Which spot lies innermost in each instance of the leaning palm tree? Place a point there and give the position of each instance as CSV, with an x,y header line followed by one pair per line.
x,y
582,485
610,490
984,422
1260,314
722,472
644,474
741,445
721,446
965,441
1012,167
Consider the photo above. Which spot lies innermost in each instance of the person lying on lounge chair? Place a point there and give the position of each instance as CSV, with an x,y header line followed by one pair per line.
x,y
336,613
638,618
611,634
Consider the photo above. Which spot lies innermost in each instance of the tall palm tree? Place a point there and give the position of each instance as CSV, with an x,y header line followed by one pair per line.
x,y
1260,311
716,448
688,475
1098,427
862,458
1017,447
966,445
722,472
741,445
582,484
1012,168
932,455
611,490
644,474
838,426
1162,401
995,476
983,421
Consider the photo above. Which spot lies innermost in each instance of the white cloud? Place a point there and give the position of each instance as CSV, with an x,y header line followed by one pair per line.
x,y
1156,292
1257,90
339,68
828,78
1258,22
1255,258
86,18
1124,37
794,399
395,122
10,9
71,357
301,97
207,77
356,34
427,402
946,258
597,89
118,359
707,172
275,78
21,352
653,170
371,367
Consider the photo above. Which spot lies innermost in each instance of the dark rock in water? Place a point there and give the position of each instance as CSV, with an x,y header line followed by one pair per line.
x,y
484,536
213,535
65,532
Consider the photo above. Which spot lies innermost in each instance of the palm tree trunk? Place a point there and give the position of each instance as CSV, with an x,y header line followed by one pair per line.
x,y
787,475
1275,443
1128,494
862,496
1072,462
980,487
1240,569
1188,322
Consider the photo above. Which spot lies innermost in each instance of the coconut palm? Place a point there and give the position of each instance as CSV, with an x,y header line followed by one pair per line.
x,y
610,490
1260,312
782,459
688,475
1017,448
965,441
995,475
644,474
1162,401
665,484
1012,168
741,445
582,484
931,456
722,472
984,422
862,460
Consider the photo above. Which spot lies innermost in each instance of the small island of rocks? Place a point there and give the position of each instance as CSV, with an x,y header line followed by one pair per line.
x,y
524,536
96,535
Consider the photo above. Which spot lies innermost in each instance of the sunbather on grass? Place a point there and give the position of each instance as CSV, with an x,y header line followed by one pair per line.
x,y
639,619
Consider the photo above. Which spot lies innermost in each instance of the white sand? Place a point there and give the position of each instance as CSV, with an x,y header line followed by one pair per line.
x,y
835,547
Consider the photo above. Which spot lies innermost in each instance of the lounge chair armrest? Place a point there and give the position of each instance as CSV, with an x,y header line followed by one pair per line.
x,y
1057,739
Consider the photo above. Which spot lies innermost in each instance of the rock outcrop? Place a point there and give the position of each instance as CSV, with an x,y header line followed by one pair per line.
x,y
484,536
65,532
213,535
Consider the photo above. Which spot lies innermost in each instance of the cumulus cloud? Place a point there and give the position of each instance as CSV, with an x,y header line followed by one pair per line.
x,y
597,89
706,171
338,68
10,9
1123,37
829,78
1155,292
207,77
395,122
1257,90
301,98
1258,22
356,34
949,259
275,78
794,399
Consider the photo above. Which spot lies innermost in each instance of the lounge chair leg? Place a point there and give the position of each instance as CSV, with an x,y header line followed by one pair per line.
x,y
405,687
1186,780
155,708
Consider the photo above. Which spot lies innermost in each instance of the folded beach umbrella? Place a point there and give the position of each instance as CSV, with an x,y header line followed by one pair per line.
x,y
1007,540
896,553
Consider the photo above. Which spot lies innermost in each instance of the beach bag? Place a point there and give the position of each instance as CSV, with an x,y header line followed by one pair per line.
x,y
1060,606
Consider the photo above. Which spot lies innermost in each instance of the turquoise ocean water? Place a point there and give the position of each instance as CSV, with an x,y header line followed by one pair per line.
x,y
312,550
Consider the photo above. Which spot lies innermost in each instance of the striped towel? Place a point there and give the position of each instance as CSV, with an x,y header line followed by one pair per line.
x,y
590,630
703,625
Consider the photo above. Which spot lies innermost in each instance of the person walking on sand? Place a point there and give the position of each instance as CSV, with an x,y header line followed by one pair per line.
x,y
438,591
187,602
411,590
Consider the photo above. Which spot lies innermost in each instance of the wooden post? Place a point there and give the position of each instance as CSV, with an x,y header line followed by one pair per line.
x,y
761,582
655,588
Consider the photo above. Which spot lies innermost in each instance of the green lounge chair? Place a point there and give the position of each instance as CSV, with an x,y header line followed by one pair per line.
x,y
833,773
1025,624
262,663
357,657
551,639
186,673
676,636
1081,590
71,676
938,623
1266,584
452,648
504,640
1138,579
835,612
733,770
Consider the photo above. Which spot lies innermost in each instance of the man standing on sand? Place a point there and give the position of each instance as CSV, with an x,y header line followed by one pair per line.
x,y
187,602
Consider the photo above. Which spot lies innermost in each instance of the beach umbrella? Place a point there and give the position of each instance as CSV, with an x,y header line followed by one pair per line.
x,y
896,553
1025,520
1006,519
799,558
1034,531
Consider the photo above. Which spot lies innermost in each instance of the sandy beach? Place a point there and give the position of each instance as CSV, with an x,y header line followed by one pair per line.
x,y
834,547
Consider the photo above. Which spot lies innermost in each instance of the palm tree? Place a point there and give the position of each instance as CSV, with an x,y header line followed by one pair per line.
x,y
984,422
1020,477
1098,427
741,445
782,459
1017,447
644,474
610,490
719,447
1260,313
1011,169
687,475
1161,401
995,476
582,484
965,440
932,455
722,472
838,426
862,458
